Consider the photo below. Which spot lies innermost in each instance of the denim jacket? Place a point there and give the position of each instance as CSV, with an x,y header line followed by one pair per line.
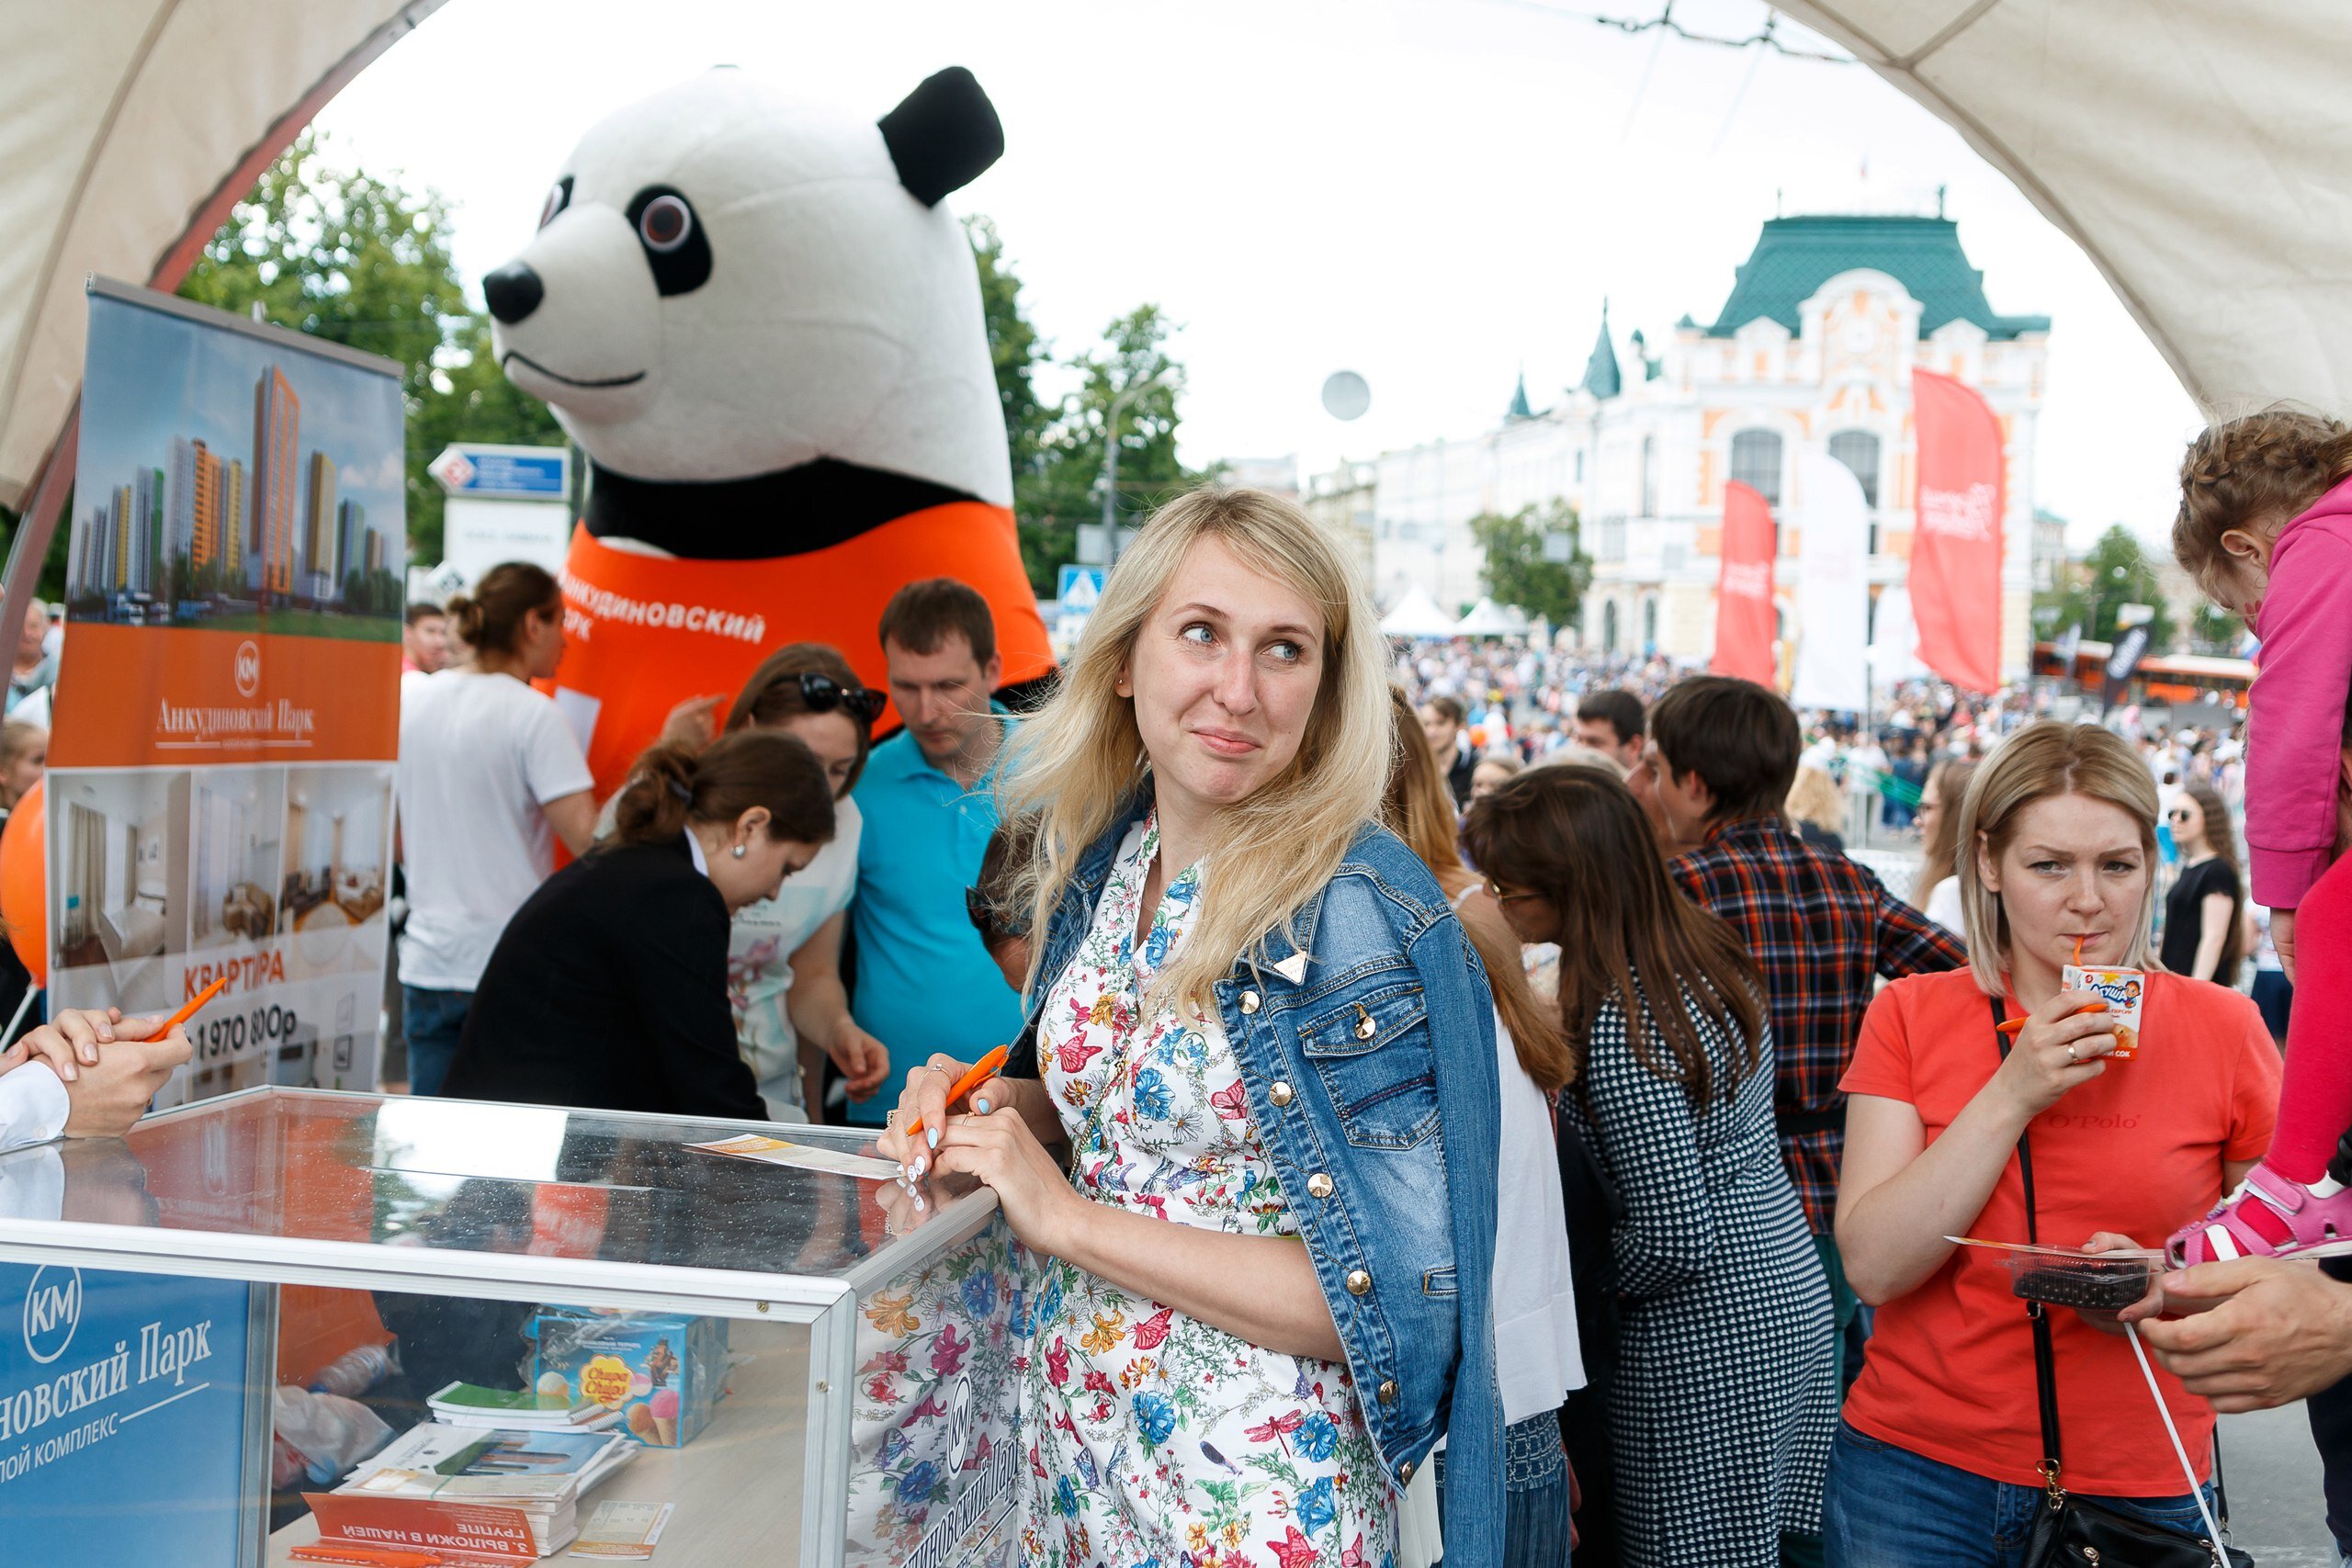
x,y
1372,1082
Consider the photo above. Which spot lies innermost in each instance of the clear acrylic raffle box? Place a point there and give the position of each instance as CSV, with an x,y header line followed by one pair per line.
x,y
288,1321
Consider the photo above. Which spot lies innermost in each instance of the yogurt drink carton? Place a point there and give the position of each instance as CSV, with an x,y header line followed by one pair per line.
x,y
2125,991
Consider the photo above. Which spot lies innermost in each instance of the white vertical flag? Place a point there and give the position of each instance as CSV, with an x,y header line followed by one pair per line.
x,y
1833,588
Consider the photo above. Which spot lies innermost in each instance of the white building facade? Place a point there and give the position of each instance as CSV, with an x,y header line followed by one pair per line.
x,y
1814,348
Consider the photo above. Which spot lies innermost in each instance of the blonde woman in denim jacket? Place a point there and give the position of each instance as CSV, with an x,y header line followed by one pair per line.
x,y
1260,1279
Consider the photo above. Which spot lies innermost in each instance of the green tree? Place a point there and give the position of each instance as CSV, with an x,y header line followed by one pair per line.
x,y
2116,572
1518,571
1058,446
1014,346
364,261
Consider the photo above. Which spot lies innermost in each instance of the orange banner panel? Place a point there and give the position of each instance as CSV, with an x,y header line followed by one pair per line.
x,y
222,697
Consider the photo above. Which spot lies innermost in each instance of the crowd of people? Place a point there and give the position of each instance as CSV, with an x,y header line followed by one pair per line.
x,y
1570,1131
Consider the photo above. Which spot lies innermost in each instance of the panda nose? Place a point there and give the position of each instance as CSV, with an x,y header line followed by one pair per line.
x,y
514,291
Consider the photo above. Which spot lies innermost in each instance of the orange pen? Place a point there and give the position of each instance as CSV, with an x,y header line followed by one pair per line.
x,y
978,1074
189,1012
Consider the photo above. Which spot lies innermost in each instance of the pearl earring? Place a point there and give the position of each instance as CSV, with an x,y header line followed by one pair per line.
x,y
739,851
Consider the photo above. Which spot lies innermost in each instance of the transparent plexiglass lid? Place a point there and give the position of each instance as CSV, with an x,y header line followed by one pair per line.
x,y
492,1199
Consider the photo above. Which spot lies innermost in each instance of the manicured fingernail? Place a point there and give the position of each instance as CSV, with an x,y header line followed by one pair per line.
x,y
918,1202
902,1173
932,1133
982,1106
921,1163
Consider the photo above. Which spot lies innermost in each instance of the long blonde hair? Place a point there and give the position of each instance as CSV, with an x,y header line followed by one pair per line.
x,y
2044,759
1080,758
1420,812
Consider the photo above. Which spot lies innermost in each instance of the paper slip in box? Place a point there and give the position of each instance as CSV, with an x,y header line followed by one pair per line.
x,y
802,1156
622,1532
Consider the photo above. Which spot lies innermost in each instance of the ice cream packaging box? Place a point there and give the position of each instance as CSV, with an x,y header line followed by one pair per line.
x,y
662,1371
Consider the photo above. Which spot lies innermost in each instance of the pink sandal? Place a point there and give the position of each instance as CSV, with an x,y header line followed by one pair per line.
x,y
2267,1216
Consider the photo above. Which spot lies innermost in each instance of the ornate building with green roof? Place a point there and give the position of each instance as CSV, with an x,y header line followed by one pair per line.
x,y
1814,348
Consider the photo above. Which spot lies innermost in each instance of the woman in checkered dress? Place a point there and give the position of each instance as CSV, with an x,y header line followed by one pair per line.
x,y
1725,1396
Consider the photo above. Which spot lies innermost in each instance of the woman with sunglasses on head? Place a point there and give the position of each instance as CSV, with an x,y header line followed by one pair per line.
x,y
1726,1384
783,972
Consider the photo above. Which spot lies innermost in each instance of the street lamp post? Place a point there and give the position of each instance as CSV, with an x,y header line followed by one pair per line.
x,y
1111,466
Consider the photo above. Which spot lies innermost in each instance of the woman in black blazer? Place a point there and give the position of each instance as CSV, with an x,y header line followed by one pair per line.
x,y
608,989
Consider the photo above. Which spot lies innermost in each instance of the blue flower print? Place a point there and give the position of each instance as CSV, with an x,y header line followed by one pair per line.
x,y
1316,1505
1151,1095
1065,1498
1156,1414
1317,1436
1049,1301
980,1293
1155,947
919,1483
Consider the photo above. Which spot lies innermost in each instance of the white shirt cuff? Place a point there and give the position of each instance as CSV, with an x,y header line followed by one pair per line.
x,y
33,1106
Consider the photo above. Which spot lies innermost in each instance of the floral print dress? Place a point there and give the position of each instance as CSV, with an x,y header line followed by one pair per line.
x,y
1154,1438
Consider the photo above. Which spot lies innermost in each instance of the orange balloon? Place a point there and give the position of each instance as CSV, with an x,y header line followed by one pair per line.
x,y
24,882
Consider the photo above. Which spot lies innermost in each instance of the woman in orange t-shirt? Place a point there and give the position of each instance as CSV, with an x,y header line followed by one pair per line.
x,y
1936,1464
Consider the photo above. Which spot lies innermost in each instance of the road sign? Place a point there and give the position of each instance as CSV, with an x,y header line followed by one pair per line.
x,y
1080,587
512,473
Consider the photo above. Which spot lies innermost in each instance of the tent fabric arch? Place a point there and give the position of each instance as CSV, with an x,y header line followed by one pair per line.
x,y
2196,153
133,128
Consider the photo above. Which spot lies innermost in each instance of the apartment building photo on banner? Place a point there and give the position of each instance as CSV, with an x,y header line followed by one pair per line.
x,y
227,714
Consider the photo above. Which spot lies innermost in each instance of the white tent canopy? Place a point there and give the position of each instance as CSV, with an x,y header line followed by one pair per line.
x,y
1488,618
2199,152
1417,616
131,128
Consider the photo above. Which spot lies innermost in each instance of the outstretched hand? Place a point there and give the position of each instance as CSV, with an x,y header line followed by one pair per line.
x,y
2267,1331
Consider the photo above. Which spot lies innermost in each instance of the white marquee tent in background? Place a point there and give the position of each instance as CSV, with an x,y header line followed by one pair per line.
x,y
2195,151
1417,616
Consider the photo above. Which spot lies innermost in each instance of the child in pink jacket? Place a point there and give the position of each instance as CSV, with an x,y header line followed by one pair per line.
x,y
2266,528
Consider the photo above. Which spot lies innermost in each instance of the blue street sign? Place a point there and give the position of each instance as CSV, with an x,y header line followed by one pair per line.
x,y
1080,587
519,473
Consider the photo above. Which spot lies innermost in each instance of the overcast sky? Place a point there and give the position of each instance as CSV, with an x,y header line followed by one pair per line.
x,y
1435,193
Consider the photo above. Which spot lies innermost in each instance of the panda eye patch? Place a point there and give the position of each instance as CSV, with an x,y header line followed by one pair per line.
x,y
558,197
676,246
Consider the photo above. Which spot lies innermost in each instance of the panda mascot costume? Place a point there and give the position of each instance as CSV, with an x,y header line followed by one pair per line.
x,y
763,329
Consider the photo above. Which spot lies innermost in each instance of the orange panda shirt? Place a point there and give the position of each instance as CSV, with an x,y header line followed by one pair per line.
x,y
644,633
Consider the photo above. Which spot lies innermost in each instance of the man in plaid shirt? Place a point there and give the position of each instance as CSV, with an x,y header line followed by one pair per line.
x,y
1721,756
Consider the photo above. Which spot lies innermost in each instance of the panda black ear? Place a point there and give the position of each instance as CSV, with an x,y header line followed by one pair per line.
x,y
944,136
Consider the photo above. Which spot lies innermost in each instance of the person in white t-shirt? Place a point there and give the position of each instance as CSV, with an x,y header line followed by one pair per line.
x,y
784,972
491,778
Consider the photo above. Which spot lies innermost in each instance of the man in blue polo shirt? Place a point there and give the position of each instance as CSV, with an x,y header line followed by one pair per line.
x,y
924,983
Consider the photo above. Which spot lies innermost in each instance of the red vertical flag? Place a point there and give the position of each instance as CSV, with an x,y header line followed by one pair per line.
x,y
1743,618
1956,544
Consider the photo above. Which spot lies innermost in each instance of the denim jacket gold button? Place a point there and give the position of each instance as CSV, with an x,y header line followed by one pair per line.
x,y
1372,1082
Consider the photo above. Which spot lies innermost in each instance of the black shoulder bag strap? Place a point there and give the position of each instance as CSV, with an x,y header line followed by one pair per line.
x,y
2045,1362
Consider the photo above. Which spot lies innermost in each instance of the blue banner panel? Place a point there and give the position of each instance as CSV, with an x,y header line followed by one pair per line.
x,y
122,1416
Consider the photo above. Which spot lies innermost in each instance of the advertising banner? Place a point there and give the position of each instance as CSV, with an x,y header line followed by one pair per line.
x,y
124,1407
227,712
1833,588
1744,610
1956,546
